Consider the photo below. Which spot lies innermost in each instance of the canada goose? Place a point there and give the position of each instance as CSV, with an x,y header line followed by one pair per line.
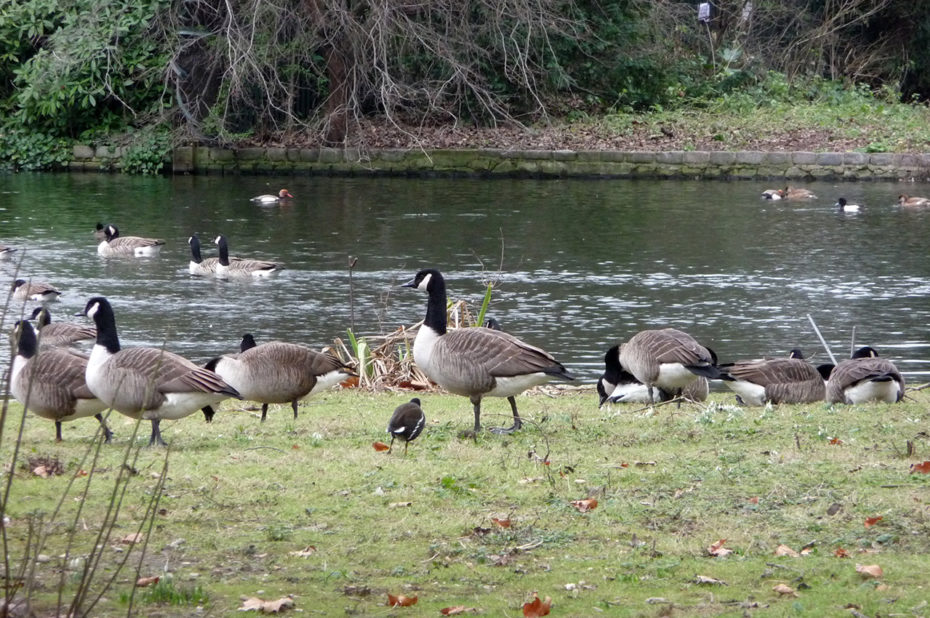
x,y
115,245
617,385
227,268
865,377
146,383
906,200
100,232
50,383
793,193
278,372
406,423
492,324
776,380
60,333
668,359
476,362
6,252
845,206
199,265
34,290
267,198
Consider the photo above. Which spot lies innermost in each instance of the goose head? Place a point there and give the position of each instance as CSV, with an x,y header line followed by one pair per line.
x,y
865,352
111,232
428,280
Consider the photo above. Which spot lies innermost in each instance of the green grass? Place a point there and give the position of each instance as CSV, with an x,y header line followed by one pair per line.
x,y
241,496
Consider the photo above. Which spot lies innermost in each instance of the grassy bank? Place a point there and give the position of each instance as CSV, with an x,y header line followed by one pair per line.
x,y
308,508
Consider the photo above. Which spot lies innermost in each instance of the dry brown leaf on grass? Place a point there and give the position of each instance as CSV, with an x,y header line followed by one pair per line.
x,y
784,550
785,590
835,441
869,570
254,604
131,539
584,506
703,579
718,550
306,552
871,521
841,553
458,609
380,446
400,600
503,523
537,607
41,472
922,468
142,582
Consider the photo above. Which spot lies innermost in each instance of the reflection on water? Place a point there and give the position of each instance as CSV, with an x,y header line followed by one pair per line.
x,y
578,264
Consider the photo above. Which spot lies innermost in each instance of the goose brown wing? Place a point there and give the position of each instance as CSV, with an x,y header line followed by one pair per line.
x,y
500,354
169,372
773,372
673,346
855,370
128,243
251,265
62,375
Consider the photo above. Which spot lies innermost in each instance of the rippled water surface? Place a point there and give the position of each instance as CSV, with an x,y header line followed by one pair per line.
x,y
578,264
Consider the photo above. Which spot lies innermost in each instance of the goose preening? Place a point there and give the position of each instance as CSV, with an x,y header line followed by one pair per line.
x,y
236,268
50,383
268,198
617,385
34,290
60,333
278,372
864,378
775,380
476,362
907,200
6,252
100,232
667,359
844,206
406,423
200,265
114,245
146,383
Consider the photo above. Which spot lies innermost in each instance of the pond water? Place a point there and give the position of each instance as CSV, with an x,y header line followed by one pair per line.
x,y
578,264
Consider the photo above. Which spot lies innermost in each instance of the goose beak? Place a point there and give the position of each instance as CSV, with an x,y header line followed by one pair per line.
x,y
410,284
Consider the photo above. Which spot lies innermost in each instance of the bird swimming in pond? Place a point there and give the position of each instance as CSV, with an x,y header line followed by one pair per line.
x,y
845,206
907,200
406,423
60,333
268,198
34,290
115,245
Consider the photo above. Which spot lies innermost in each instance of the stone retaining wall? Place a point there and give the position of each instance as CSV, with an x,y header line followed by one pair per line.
x,y
532,163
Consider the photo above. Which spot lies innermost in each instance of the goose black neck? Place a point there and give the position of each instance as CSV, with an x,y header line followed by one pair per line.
x,y
106,327
28,346
195,250
224,251
41,316
436,305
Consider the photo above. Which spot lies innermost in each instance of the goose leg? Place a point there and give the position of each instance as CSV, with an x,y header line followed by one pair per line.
x,y
264,411
476,402
405,448
208,413
392,443
294,405
517,423
57,431
652,400
156,434
107,434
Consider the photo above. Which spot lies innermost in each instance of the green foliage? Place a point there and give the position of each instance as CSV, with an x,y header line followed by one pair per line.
x,y
148,153
165,592
23,150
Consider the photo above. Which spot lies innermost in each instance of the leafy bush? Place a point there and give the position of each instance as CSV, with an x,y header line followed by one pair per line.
x,y
22,150
148,153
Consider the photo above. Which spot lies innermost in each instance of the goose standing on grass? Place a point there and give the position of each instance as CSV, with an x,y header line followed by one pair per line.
x,y
406,423
775,380
843,206
476,362
51,384
60,334
278,372
34,290
667,359
865,378
907,200
115,245
267,198
237,268
617,385
146,383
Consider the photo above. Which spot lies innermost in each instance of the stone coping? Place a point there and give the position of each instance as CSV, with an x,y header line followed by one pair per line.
x,y
529,163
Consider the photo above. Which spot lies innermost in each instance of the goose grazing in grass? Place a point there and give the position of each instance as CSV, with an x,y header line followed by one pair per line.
x,y
907,200
34,290
146,383
236,268
617,385
278,372
268,198
865,378
775,380
60,333
667,359
476,362
51,384
114,245
406,423
6,252
844,206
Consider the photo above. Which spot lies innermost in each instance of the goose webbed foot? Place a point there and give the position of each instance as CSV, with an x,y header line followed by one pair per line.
x,y
208,413
156,438
107,434
517,422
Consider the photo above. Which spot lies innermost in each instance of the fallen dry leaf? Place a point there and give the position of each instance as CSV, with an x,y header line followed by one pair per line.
x,y
306,552
841,553
869,570
537,607
584,506
835,441
254,604
922,468
871,521
80,473
503,523
703,579
718,550
142,582
40,471
399,505
401,600
785,590
754,500
784,550
380,446
131,539
456,610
